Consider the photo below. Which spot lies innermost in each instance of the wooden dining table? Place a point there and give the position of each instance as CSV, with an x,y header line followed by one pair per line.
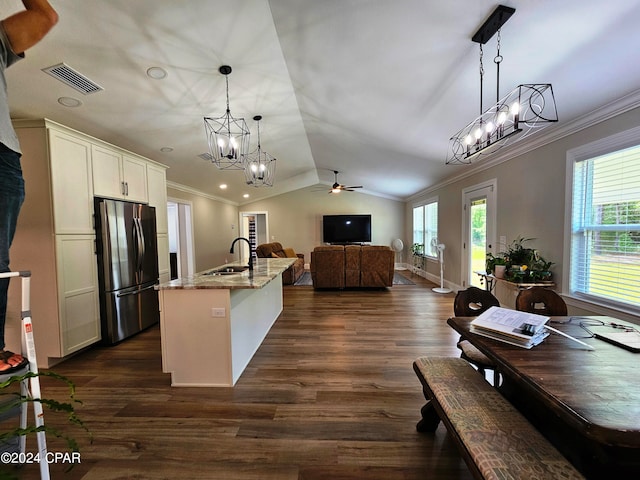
x,y
586,402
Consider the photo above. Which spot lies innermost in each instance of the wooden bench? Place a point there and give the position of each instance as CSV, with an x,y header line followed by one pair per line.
x,y
495,439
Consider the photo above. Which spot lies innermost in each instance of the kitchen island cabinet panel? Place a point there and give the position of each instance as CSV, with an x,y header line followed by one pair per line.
x,y
212,325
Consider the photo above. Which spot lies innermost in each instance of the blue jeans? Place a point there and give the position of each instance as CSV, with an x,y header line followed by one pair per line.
x,y
11,198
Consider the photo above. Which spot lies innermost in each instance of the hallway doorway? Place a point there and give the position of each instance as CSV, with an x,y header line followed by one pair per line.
x,y
181,249
255,227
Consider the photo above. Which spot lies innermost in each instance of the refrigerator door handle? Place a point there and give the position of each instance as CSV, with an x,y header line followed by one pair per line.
x,y
139,245
142,244
106,251
135,292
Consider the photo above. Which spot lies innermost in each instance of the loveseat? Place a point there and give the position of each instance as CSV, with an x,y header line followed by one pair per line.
x,y
349,266
275,250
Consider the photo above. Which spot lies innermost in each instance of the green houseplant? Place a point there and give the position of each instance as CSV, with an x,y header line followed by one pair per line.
x,y
12,398
493,260
523,264
417,249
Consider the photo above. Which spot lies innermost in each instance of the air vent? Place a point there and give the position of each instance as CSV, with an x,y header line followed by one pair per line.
x,y
75,80
206,156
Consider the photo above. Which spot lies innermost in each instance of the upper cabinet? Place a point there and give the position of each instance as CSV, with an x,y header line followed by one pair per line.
x,y
71,183
157,187
118,175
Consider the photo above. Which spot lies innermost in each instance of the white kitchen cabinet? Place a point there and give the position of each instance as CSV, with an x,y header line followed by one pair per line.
x,y
164,268
157,188
134,175
55,239
118,175
78,295
71,183
55,236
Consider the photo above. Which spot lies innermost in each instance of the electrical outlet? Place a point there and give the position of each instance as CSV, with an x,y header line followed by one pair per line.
x,y
218,312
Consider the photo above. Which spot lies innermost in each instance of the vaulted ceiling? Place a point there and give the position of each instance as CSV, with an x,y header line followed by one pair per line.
x,y
371,88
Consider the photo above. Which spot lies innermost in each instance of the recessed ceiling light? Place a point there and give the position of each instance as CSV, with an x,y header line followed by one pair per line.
x,y
166,149
156,73
69,102
246,195
223,186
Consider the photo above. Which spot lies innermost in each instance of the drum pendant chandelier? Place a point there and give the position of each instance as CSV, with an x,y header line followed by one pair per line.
x,y
228,137
528,108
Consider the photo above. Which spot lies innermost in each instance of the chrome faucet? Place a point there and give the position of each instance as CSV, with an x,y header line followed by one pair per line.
x,y
250,251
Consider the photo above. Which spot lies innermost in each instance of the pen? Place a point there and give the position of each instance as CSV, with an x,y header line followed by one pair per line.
x,y
569,337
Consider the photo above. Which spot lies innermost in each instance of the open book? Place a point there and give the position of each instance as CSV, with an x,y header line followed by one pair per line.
x,y
511,326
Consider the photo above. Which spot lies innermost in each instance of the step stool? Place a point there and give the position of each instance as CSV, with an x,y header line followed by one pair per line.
x,y
29,387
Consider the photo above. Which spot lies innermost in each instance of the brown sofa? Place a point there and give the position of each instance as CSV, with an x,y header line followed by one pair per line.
x,y
338,266
275,250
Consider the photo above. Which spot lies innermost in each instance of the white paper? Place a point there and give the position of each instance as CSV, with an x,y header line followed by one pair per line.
x,y
522,325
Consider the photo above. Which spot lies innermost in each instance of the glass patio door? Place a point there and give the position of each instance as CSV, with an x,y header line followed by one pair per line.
x,y
478,230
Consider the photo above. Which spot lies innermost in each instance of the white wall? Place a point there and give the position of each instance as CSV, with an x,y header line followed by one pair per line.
x,y
215,225
295,218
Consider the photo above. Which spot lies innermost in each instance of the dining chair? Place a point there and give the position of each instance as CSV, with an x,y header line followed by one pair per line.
x,y
541,301
470,303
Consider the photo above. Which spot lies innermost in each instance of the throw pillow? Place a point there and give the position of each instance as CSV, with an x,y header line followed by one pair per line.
x,y
273,255
290,253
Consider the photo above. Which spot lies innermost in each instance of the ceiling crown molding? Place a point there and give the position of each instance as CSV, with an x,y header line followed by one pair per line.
x,y
200,193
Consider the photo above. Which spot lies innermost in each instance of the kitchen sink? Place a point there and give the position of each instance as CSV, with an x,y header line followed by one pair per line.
x,y
228,270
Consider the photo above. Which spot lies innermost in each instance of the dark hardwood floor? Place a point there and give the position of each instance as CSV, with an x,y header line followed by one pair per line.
x,y
330,394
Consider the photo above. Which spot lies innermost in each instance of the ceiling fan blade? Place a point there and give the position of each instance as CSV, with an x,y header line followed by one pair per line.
x,y
337,187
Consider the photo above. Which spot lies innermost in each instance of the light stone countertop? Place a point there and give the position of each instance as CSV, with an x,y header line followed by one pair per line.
x,y
264,270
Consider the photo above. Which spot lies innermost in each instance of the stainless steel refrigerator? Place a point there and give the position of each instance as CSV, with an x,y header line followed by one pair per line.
x,y
127,268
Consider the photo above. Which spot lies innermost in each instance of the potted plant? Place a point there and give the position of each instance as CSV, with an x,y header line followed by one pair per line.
x,y
417,249
519,263
494,261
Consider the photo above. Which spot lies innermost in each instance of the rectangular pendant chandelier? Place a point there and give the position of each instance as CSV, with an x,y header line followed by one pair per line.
x,y
525,110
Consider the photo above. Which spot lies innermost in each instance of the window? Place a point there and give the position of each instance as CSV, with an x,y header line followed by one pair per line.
x,y
605,223
425,226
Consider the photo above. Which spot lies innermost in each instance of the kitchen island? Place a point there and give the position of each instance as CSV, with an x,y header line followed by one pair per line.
x,y
213,322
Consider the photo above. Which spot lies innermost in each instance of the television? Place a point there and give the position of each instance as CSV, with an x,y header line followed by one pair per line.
x,y
342,229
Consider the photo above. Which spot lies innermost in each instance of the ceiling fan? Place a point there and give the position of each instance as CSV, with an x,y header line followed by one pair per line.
x,y
337,188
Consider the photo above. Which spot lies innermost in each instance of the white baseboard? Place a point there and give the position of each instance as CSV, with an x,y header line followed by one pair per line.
x,y
454,287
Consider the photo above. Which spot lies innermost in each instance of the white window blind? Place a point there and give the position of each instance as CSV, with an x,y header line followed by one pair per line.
x,y
425,226
605,228
418,225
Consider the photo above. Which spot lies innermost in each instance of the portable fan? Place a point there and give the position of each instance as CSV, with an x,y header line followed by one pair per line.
x,y
397,246
440,248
